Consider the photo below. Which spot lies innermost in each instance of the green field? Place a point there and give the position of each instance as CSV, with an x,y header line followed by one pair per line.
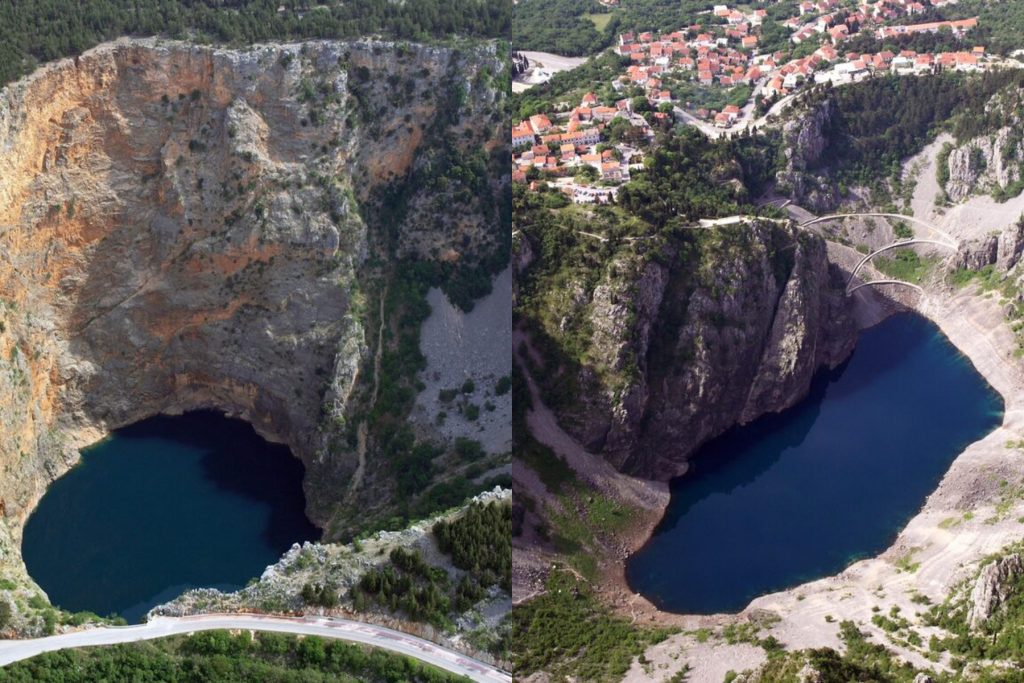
x,y
600,20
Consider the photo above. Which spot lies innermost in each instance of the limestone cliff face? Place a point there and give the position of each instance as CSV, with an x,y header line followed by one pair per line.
x,y
804,141
1000,249
986,157
992,588
984,163
702,337
182,227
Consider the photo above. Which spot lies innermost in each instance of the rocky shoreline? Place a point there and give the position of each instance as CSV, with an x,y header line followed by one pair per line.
x,y
279,589
968,517
965,519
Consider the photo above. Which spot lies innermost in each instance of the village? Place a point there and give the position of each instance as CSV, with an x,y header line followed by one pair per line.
x,y
588,150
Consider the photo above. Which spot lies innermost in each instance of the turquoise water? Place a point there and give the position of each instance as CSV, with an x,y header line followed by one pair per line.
x,y
801,495
167,504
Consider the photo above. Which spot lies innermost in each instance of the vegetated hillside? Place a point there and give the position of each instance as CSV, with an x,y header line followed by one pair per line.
x,y
251,231
568,633
583,27
860,134
559,26
36,31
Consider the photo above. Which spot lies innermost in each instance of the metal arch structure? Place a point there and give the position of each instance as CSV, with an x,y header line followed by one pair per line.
x,y
894,245
886,282
909,219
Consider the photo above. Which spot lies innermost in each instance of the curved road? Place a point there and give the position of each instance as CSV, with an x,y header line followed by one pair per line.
x,y
744,122
342,629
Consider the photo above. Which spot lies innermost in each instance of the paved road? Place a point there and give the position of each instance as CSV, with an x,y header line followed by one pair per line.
x,y
735,220
543,65
744,122
343,629
552,62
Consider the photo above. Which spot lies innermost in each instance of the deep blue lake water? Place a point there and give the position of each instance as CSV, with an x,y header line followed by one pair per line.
x,y
803,494
164,505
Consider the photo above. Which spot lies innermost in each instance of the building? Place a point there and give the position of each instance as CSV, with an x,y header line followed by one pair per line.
x,y
540,123
522,134
958,27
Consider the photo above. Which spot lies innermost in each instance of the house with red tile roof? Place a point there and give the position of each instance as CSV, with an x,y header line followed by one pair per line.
x,y
959,27
839,33
611,170
522,134
540,123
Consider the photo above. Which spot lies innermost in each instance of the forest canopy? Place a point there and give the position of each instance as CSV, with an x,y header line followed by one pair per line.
x,y
572,27
882,121
35,31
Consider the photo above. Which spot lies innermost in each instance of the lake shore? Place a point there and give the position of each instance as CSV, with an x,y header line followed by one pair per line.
x,y
957,526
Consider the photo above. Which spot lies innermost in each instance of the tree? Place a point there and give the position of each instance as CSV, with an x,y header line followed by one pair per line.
x,y
641,105
586,174
5,614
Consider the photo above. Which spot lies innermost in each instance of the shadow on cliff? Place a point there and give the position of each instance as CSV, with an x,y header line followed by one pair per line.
x,y
789,428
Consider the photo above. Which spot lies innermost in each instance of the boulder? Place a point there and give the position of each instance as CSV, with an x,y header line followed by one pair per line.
x,y
992,588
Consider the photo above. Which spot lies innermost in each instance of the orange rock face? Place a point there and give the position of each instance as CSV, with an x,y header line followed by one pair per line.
x,y
180,228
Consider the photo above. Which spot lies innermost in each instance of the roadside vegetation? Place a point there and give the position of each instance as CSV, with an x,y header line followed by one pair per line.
x,y
408,584
480,541
220,657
